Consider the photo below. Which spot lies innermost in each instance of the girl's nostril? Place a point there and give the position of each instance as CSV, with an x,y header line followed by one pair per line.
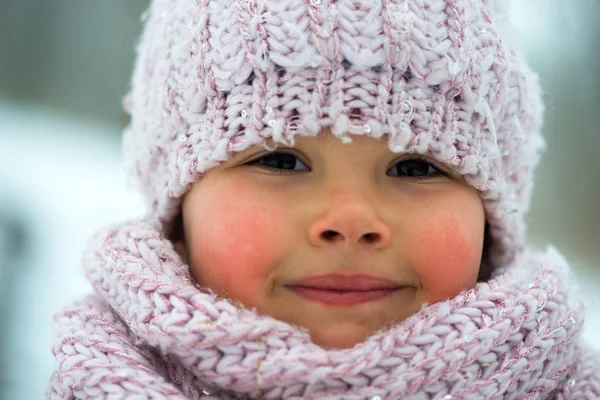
x,y
329,234
371,237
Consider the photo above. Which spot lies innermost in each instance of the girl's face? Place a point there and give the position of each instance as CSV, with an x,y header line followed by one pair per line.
x,y
258,226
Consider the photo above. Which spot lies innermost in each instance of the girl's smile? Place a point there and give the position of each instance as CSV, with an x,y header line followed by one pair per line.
x,y
342,239
345,290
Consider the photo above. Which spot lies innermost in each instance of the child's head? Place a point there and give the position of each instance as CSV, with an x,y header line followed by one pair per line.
x,y
281,141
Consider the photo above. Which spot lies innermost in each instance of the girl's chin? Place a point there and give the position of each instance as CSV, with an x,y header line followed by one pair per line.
x,y
338,340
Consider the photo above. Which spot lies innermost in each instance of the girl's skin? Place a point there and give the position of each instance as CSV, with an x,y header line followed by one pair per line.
x,y
330,207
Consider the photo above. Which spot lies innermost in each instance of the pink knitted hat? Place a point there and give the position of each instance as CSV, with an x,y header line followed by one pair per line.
x,y
429,76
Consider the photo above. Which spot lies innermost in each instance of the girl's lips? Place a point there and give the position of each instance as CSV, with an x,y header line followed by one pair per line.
x,y
339,289
342,297
357,282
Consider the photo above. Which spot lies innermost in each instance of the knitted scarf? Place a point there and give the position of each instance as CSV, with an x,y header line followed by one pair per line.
x,y
149,332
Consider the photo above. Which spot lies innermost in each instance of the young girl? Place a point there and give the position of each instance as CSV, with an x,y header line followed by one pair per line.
x,y
336,196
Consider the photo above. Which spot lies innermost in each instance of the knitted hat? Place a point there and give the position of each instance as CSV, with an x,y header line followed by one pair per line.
x,y
438,76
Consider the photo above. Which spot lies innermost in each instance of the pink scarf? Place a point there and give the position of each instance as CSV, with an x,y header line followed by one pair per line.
x,y
149,332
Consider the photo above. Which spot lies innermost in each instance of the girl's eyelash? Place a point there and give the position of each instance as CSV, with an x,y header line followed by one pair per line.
x,y
282,171
417,157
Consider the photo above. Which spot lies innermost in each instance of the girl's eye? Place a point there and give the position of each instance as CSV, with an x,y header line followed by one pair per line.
x,y
280,162
414,168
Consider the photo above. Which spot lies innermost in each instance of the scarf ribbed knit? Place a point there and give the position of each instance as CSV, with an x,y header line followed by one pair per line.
x,y
149,333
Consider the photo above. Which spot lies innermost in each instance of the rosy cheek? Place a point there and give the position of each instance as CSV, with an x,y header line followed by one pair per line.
x,y
446,255
235,242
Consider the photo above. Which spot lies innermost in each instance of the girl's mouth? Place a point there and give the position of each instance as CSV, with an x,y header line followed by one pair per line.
x,y
344,290
342,297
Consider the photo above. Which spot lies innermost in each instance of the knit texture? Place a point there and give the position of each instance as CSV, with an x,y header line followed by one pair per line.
x,y
430,76
150,333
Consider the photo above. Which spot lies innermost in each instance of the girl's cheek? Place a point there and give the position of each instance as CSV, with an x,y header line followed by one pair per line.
x,y
446,255
235,242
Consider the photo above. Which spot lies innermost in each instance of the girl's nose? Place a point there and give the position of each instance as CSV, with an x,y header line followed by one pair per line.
x,y
349,221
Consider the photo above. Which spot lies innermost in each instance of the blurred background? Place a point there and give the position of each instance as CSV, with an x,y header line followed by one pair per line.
x,y
64,68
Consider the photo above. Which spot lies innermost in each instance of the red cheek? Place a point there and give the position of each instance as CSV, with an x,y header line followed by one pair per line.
x,y
235,241
445,256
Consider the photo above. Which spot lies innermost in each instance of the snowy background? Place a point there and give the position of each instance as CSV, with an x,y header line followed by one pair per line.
x,y
64,70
